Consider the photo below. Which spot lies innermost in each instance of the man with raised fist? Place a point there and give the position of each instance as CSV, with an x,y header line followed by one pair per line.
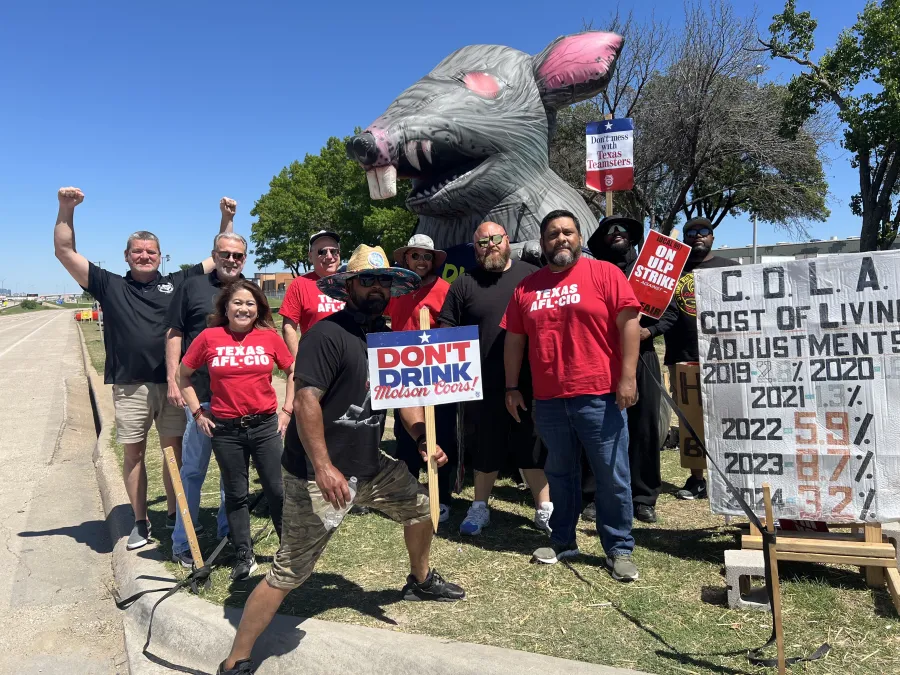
x,y
134,334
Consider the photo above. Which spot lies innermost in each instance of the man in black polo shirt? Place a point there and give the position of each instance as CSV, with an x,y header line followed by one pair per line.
x,y
134,311
191,305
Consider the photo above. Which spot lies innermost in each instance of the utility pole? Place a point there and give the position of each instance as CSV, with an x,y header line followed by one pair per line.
x,y
166,258
758,70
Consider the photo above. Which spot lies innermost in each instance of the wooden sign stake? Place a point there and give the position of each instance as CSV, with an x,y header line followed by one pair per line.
x,y
431,440
175,475
776,585
609,194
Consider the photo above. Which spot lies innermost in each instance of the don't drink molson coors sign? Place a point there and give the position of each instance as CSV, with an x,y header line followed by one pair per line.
x,y
424,367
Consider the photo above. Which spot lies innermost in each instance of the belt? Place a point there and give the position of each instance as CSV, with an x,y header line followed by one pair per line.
x,y
245,422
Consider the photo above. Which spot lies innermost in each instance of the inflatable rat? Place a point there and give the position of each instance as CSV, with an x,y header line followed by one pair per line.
x,y
473,135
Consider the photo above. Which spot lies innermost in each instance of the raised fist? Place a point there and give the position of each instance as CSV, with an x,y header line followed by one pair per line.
x,y
228,206
70,197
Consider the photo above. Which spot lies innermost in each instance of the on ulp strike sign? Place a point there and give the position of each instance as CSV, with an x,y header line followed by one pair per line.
x,y
424,367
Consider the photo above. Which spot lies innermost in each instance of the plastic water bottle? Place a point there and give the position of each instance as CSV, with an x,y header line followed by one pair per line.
x,y
333,516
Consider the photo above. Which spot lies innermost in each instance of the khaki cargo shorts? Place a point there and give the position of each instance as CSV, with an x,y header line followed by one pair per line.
x,y
394,492
140,405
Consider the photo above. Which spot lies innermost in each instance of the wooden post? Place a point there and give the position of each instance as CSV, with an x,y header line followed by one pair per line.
x,y
431,441
609,194
776,585
175,475
874,575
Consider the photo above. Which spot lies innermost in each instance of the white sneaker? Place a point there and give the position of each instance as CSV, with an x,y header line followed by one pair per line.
x,y
542,516
477,518
445,513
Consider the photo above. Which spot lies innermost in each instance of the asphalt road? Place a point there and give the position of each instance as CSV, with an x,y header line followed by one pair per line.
x,y
56,610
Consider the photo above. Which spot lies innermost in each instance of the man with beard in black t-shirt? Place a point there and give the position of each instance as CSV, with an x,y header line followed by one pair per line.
x,y
681,338
333,442
479,298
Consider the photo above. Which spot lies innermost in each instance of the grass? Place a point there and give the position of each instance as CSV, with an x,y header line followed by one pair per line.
x,y
673,620
16,309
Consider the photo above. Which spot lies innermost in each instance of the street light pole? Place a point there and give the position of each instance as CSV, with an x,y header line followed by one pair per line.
x,y
758,70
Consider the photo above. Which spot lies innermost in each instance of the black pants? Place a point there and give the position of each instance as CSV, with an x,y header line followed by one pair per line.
x,y
445,427
233,447
644,438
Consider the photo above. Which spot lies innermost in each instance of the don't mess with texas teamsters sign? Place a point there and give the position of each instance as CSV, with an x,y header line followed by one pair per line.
x,y
424,367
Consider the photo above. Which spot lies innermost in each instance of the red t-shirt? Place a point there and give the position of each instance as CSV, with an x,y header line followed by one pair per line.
x,y
305,304
240,369
404,310
570,320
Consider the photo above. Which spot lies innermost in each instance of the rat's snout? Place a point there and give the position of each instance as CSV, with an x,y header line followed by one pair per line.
x,y
363,149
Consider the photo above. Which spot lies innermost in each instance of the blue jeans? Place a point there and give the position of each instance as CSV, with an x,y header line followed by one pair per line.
x,y
196,449
596,424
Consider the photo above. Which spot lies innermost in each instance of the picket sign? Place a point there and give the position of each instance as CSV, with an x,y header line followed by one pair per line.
x,y
430,440
656,272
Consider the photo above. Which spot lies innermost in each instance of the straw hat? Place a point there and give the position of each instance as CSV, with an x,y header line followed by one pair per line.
x,y
368,259
421,242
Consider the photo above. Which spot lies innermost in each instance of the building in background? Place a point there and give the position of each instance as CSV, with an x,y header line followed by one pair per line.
x,y
273,283
785,250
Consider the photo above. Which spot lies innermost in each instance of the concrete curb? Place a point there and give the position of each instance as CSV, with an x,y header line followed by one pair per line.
x,y
192,635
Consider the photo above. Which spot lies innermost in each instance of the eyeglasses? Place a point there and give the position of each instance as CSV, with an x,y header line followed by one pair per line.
x,y
336,252
616,229
427,257
494,239
225,255
697,232
368,280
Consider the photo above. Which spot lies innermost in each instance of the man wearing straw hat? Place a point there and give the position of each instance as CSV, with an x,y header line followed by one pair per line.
x,y
334,443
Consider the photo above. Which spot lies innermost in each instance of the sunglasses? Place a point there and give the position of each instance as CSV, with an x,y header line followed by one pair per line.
x,y
427,257
225,255
336,252
368,280
494,239
616,229
697,232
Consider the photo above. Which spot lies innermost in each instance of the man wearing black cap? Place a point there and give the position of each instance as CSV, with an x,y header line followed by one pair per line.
x,y
681,339
615,241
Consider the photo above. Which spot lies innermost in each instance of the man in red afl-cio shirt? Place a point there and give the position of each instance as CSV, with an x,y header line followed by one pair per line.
x,y
579,318
304,304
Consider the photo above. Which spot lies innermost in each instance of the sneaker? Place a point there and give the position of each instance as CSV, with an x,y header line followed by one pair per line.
x,y
435,587
170,521
246,565
359,510
542,517
645,513
553,553
445,513
184,559
621,567
694,488
242,667
477,518
140,535
589,514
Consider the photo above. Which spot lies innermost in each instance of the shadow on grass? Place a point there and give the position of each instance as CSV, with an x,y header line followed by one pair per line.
x,y
706,544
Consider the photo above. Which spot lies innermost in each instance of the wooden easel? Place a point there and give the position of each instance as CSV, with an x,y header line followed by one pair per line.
x,y
430,440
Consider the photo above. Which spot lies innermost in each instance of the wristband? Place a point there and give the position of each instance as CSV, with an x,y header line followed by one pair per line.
x,y
422,437
286,411
197,413
509,389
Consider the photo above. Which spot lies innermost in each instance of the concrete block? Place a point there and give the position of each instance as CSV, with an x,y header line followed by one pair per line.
x,y
892,532
740,566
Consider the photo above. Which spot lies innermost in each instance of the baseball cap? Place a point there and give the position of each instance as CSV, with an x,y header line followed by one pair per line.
x,y
324,233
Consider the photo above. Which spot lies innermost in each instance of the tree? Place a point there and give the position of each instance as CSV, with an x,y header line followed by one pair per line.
x,y
184,267
325,191
707,139
860,76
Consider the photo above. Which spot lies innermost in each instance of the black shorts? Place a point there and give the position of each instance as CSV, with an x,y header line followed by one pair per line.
x,y
496,441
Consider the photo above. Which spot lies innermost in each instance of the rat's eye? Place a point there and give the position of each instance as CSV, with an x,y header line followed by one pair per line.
x,y
483,84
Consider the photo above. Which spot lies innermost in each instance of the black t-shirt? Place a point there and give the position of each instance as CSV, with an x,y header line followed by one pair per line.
x,y
134,322
681,338
191,304
479,298
332,356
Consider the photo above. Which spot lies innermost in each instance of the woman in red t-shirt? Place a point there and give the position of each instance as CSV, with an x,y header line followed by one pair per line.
x,y
240,348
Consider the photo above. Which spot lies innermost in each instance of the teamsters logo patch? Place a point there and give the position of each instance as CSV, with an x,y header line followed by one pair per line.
x,y
166,288
376,260
684,294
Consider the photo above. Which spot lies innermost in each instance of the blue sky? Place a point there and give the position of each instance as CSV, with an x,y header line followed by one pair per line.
x,y
157,110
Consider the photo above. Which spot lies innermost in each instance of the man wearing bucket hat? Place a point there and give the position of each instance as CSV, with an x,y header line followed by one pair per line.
x,y
420,256
614,241
334,443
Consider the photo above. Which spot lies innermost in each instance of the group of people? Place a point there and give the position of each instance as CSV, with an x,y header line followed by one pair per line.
x,y
567,365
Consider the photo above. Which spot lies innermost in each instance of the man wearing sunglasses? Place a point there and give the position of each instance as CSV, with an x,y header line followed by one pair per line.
x,y
186,319
479,298
615,241
420,256
134,334
304,305
681,338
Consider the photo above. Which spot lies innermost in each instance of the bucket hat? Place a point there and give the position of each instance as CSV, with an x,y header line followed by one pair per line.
x,y
424,243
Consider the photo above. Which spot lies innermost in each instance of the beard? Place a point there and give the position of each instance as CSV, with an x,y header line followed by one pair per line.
x,y
495,262
699,250
373,304
563,256
620,246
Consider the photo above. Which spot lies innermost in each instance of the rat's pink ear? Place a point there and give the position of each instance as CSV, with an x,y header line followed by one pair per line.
x,y
575,67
